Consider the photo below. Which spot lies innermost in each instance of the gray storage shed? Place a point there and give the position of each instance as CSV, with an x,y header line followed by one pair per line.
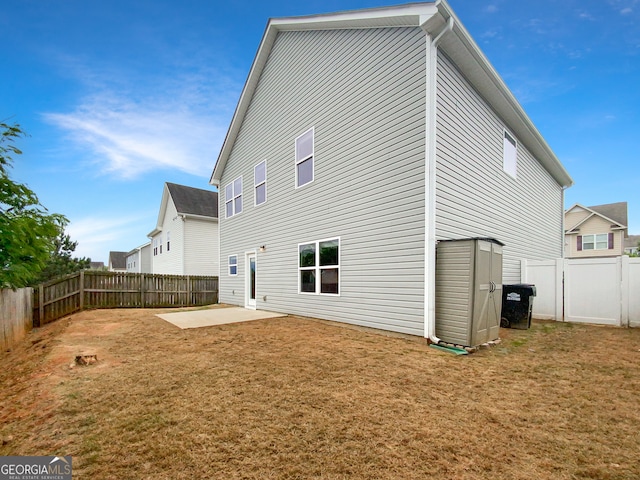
x,y
468,290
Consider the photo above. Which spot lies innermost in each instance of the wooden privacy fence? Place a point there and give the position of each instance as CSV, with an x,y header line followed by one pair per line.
x,y
95,289
15,315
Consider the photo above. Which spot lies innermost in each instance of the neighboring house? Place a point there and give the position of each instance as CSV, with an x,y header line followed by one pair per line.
x,y
359,140
185,240
139,259
597,231
631,244
117,261
97,266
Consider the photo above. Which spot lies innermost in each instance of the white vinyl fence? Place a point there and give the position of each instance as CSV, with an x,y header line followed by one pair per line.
x,y
605,291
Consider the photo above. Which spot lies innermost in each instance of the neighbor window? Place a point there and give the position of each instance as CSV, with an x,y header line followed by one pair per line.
x,y
233,197
319,267
510,155
260,183
160,244
599,241
168,241
233,264
304,158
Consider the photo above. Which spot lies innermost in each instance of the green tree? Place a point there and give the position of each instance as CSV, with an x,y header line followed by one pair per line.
x,y
61,262
27,230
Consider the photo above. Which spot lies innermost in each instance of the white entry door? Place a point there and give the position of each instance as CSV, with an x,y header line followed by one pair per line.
x,y
250,295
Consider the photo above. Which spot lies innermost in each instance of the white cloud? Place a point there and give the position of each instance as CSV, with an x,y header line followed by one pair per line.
x,y
130,137
98,235
626,11
491,8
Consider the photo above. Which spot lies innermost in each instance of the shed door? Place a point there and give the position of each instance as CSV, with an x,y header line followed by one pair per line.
x,y
488,295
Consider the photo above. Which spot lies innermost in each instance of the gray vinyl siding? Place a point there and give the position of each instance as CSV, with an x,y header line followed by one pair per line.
x,y
171,262
364,93
201,254
474,196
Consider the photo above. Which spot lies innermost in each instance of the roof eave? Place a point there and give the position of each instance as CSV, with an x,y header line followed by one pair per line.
x,y
460,47
463,50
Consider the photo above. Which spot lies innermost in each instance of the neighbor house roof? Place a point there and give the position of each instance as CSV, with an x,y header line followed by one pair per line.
x,y
432,17
616,213
631,241
189,201
194,201
118,259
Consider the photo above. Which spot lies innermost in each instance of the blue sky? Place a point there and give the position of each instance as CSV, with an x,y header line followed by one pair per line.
x,y
119,97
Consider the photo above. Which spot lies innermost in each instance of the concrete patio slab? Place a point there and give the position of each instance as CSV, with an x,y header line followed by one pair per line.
x,y
216,316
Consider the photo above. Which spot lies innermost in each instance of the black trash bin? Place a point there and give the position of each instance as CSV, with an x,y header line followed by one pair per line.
x,y
517,305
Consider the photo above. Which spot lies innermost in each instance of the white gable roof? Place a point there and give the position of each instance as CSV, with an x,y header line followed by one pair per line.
x,y
459,46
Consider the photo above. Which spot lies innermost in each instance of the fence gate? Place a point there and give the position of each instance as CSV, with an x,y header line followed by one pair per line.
x,y
592,290
588,290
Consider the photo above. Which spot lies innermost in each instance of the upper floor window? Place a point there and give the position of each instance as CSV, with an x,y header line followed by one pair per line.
x,y
510,155
304,158
233,197
600,241
260,183
168,241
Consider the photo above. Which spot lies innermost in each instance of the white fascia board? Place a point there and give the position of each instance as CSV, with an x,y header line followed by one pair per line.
x,y
574,206
163,208
206,218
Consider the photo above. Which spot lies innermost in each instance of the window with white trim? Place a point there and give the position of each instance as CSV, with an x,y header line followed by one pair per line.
x,y
160,244
260,183
233,198
510,155
233,264
168,241
599,241
304,158
319,267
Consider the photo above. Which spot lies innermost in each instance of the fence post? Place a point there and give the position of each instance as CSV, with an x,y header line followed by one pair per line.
x,y
523,270
624,291
560,268
189,299
81,290
142,290
40,306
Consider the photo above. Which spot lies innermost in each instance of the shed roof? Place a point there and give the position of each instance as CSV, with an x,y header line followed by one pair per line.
x,y
458,45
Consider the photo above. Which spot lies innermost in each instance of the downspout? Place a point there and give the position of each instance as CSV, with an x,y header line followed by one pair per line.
x,y
430,185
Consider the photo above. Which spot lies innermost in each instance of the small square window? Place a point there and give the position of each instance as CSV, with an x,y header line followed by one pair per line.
x,y
233,265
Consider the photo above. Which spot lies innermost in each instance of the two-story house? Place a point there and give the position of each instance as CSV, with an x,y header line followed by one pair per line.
x,y
362,138
596,231
185,240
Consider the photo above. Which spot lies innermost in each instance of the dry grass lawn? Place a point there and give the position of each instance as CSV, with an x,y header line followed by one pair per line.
x,y
295,398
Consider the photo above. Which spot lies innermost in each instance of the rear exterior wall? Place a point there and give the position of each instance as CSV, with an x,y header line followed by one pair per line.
x,y
363,92
475,197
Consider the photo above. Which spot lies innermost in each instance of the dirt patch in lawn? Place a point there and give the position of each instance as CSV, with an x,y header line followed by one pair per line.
x,y
300,398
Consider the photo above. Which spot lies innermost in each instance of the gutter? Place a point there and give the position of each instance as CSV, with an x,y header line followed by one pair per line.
x,y
430,185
